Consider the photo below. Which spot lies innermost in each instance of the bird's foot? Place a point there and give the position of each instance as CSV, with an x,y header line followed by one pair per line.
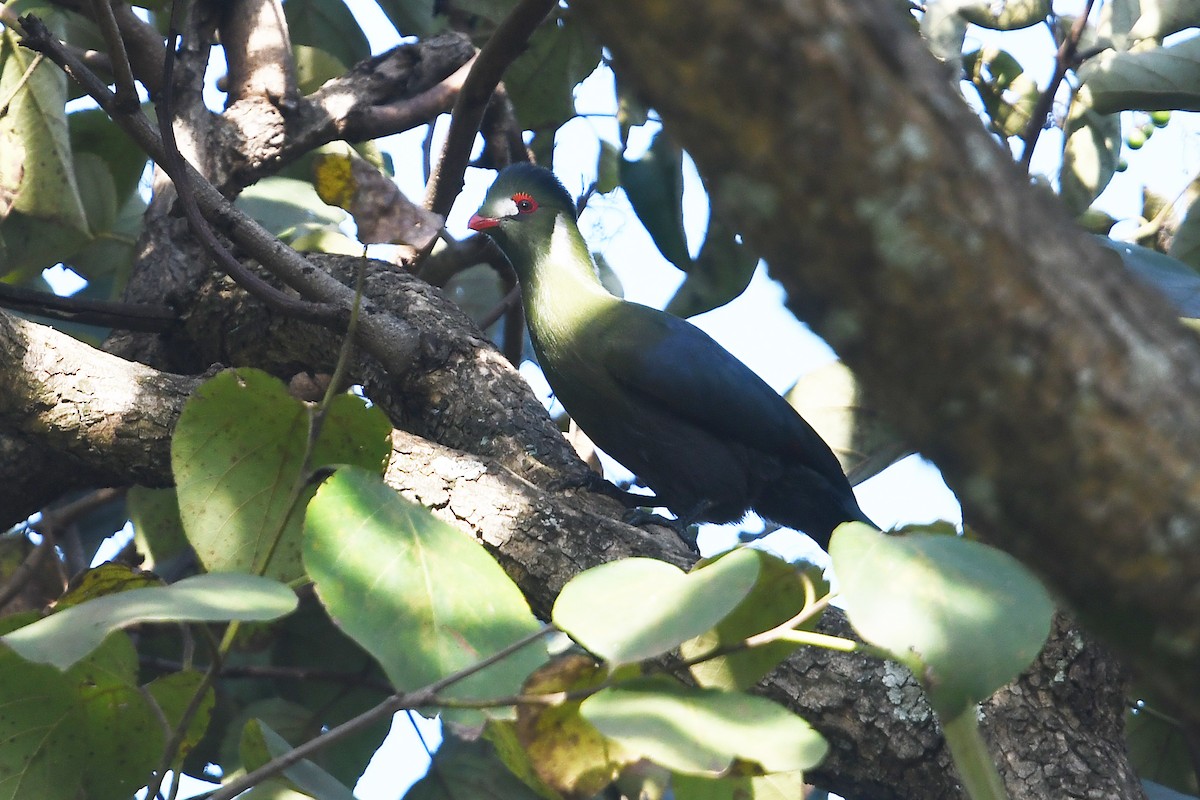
x,y
641,517
596,483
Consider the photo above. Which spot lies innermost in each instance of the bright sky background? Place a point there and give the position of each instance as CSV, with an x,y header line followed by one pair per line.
x,y
755,327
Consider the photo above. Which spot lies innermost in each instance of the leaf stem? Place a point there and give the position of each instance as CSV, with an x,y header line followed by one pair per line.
x,y
971,757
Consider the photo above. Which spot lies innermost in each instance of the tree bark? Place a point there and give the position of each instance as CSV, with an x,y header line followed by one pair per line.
x,y
1055,393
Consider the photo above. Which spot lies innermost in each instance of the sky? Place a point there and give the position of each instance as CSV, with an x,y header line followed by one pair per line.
x,y
755,327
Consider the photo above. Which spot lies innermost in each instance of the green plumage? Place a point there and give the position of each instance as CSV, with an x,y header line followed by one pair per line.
x,y
653,391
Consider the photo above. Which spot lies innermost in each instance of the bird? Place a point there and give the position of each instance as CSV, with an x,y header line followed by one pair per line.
x,y
704,432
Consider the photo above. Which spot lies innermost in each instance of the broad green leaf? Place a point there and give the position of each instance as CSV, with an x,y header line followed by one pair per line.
x,y
566,751
422,597
776,786
830,398
107,259
173,693
703,731
721,272
327,25
1161,18
1090,154
238,457
964,617
778,595
469,768
305,775
502,735
40,730
157,529
654,186
281,204
411,17
106,579
1175,279
542,81
1007,15
92,131
309,642
314,67
944,30
1145,80
63,638
37,174
1116,19
125,736
637,608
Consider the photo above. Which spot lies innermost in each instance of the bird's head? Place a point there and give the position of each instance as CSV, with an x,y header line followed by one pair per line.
x,y
522,211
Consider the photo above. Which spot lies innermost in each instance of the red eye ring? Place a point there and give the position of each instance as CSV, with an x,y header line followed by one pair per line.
x,y
525,203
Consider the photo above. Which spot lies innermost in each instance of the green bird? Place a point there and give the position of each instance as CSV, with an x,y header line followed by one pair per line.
x,y
697,426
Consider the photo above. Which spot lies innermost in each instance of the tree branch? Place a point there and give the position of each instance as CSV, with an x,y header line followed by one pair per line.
x,y
1067,424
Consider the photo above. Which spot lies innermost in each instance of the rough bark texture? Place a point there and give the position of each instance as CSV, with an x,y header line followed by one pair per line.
x,y
1056,395
897,226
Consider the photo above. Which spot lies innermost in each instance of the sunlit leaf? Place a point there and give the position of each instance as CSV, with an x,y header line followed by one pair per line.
x,y
637,608
830,398
1090,155
776,786
964,617
1145,80
702,731
328,25
238,454
778,595
63,638
542,81
421,596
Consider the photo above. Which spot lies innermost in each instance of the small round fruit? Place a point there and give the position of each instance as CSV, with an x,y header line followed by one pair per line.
x,y
1135,139
1160,118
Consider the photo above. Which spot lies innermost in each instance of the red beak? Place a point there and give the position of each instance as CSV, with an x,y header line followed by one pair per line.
x,y
480,223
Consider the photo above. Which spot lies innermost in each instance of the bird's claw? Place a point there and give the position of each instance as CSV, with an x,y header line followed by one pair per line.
x,y
640,517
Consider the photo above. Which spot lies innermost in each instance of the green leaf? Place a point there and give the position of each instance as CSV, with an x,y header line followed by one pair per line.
x,y
173,693
238,457
40,730
107,259
1145,80
304,774
314,67
125,736
776,786
830,398
1161,18
703,731
542,81
637,608
566,751
37,176
1008,15
329,26
778,595
469,768
1175,279
421,596
654,186
157,529
721,272
92,131
281,204
944,30
1090,154
411,17
63,638
964,617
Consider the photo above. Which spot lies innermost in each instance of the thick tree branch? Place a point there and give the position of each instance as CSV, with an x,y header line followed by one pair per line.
x,y
1056,394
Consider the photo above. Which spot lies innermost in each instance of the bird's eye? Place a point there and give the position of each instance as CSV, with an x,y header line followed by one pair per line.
x,y
525,203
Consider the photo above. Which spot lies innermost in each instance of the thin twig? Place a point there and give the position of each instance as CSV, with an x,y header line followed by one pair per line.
x,y
127,96
20,84
500,309
1064,59
273,672
508,42
397,702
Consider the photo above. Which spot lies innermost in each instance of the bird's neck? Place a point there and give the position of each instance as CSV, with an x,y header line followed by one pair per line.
x,y
560,286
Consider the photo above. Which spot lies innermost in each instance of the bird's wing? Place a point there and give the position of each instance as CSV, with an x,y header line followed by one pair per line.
x,y
683,371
